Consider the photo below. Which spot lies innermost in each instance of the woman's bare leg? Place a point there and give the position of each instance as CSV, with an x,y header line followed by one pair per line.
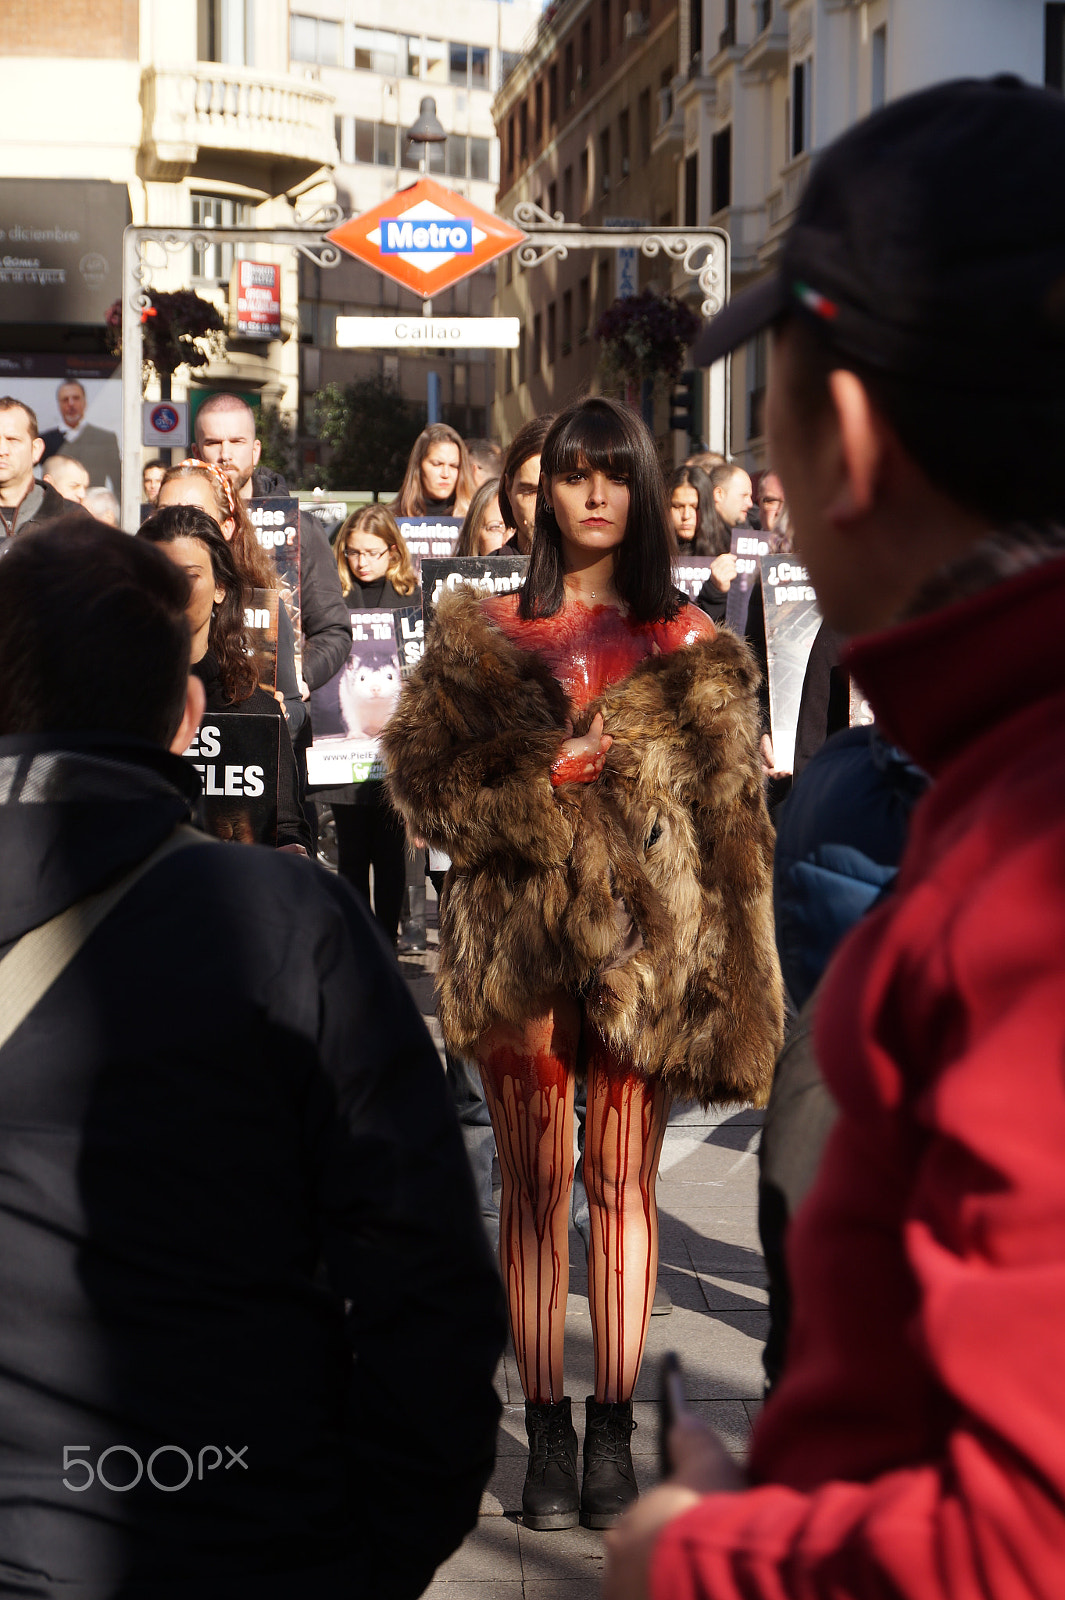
x,y
623,1136
528,1081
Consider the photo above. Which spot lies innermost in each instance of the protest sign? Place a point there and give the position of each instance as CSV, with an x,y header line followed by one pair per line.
x,y
689,575
236,755
748,548
488,574
349,711
429,536
410,637
276,520
260,627
791,623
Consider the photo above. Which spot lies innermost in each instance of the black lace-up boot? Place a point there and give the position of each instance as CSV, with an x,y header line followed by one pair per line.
x,y
549,1499
609,1480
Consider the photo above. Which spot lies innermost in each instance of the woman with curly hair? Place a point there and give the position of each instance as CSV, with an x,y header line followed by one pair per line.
x,y
439,480
219,654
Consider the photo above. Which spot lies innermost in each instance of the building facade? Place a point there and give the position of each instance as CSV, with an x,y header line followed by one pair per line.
x,y
378,60
589,131
159,112
767,83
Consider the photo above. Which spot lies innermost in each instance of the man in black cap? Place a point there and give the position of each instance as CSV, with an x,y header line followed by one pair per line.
x,y
915,1443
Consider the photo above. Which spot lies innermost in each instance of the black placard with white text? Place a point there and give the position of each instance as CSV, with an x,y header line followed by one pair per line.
x,y
236,755
487,574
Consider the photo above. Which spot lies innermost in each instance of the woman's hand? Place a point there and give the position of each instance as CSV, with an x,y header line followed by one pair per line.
x,y
581,760
723,570
701,1466
769,765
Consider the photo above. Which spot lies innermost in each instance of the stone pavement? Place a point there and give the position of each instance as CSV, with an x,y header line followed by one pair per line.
x,y
711,1266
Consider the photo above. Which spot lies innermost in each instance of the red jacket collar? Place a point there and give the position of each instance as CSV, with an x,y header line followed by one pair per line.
x,y
940,681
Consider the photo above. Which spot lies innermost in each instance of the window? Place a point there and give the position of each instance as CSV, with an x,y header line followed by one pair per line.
x,y
757,362
643,124
604,161
552,199
480,66
695,28
552,94
801,80
480,158
551,319
721,170
459,65
567,194
224,32
364,141
567,74
538,113
878,43
585,71
215,261
523,131
510,143
1054,47
691,190
727,36
508,60
623,144
584,179
314,39
378,51
386,145
584,308
435,61
567,322
604,31
763,15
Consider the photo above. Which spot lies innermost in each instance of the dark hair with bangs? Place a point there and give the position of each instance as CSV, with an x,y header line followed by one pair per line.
x,y
607,437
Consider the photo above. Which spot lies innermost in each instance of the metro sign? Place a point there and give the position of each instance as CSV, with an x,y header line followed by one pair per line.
x,y
426,237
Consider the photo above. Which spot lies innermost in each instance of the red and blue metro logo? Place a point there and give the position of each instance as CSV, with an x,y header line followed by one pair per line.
x,y
426,237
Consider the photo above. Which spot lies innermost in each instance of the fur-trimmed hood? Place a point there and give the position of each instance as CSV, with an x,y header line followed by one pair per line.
x,y
648,892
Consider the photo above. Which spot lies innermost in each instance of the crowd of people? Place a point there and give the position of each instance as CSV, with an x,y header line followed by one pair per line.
x,y
235,1206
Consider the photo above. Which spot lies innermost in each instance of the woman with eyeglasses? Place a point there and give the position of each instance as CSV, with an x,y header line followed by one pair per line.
x,y
484,530
376,574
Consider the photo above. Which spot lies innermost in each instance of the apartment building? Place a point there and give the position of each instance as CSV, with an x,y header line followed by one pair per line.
x,y
766,83
378,60
589,130
161,112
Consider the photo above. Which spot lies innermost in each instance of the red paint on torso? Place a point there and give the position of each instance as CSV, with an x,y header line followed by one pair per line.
x,y
590,648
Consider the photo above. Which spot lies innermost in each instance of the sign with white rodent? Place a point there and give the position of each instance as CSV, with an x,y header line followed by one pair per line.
x,y
350,710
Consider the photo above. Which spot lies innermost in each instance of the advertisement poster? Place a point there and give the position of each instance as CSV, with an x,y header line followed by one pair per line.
x,y
748,548
78,404
791,623
489,574
60,247
236,755
350,710
277,527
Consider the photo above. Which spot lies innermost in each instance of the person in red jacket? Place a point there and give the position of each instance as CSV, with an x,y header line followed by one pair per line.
x,y
915,1444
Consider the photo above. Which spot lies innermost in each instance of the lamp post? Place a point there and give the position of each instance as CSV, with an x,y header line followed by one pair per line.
x,y
428,130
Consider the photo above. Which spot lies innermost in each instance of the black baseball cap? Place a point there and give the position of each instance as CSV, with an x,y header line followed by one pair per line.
x,y
930,243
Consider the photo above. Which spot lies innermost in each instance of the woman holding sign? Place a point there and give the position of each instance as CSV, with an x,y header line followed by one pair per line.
x,y
376,574
219,657
586,752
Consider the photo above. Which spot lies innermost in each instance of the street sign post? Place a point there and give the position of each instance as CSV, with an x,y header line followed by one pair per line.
x,y
418,333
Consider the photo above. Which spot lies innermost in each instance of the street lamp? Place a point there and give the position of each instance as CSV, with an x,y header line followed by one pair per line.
x,y
426,131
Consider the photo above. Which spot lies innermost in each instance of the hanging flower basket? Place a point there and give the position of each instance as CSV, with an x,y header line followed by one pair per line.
x,y
646,336
179,330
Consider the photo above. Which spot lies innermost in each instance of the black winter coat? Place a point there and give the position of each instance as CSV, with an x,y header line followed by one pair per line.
x,y
235,1216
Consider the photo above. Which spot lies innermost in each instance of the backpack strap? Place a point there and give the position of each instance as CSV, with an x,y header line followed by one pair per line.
x,y
32,965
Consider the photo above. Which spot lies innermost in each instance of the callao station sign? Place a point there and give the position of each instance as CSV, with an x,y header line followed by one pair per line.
x,y
426,238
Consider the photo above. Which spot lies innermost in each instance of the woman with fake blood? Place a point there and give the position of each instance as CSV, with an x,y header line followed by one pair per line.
x,y
586,752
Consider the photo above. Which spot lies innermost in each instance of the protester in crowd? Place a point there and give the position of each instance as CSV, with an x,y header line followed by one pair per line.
x,y
376,574
66,475
541,964
199,483
25,504
520,485
221,658
236,1212
96,448
483,531
152,476
706,460
692,510
101,504
772,508
915,1443
439,480
732,499
225,437
486,459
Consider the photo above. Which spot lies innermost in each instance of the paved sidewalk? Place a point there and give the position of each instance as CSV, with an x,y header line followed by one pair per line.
x,y
711,1266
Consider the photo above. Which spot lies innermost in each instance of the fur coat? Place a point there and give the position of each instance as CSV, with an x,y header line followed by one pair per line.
x,y
648,893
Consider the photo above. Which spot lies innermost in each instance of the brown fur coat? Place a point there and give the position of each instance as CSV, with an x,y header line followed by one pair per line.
x,y
648,893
